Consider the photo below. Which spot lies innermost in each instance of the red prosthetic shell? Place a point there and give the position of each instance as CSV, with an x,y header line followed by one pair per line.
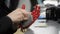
x,y
23,6
36,12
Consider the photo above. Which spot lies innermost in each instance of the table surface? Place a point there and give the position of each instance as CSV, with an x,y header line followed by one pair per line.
x,y
52,28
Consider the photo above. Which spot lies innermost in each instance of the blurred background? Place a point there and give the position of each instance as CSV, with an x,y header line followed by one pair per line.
x,y
41,25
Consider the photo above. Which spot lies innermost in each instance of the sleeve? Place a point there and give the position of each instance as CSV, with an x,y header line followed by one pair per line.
x,y
5,22
6,25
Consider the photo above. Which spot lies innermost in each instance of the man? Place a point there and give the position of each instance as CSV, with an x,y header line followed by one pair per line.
x,y
9,19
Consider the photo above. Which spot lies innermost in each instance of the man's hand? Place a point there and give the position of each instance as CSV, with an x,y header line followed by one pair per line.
x,y
18,15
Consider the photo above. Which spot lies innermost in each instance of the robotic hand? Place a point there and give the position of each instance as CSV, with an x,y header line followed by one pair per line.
x,y
32,17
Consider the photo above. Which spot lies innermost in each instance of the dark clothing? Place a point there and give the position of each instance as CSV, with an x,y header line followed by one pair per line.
x,y
6,26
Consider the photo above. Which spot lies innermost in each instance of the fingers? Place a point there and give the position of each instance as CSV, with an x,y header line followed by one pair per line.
x,y
25,13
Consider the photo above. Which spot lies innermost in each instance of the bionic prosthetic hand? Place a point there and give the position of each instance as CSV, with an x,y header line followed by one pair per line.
x,y
32,17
